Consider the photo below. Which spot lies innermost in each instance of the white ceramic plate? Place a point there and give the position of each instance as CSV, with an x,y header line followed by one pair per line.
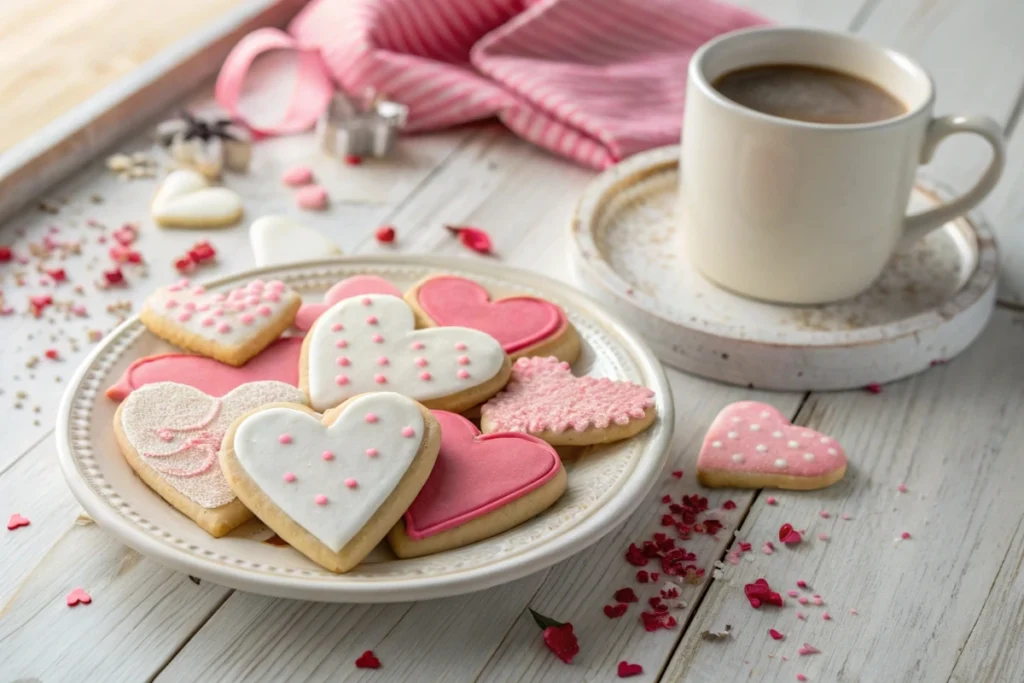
x,y
605,484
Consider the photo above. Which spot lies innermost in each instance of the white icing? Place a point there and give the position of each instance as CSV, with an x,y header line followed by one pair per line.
x,y
777,434
809,457
794,444
761,448
185,196
733,435
716,444
737,458
365,358
259,450
243,310
161,419
755,427
781,464
277,239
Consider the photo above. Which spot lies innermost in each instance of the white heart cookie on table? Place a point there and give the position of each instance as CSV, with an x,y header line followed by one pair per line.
x,y
279,239
170,435
186,199
370,343
333,485
231,327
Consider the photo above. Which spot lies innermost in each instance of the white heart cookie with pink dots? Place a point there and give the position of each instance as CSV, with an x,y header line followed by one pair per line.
x,y
753,445
370,343
329,476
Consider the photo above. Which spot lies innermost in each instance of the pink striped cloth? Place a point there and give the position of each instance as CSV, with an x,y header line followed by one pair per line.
x,y
592,80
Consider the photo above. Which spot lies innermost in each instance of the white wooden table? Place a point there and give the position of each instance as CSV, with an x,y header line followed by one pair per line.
x,y
945,605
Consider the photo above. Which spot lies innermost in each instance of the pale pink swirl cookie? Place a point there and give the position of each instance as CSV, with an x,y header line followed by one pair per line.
x,y
753,445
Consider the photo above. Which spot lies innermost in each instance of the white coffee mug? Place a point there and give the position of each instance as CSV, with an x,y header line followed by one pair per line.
x,y
796,212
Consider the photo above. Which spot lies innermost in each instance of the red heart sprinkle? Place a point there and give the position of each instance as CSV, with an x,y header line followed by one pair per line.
x,y
775,634
185,264
368,660
78,596
784,531
678,474
626,669
17,521
202,251
114,276
473,238
615,611
353,159
51,354
626,595
385,234
57,274
6,254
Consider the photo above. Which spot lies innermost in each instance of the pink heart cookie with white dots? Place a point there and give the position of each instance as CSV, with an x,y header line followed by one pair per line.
x,y
753,445
231,326
333,485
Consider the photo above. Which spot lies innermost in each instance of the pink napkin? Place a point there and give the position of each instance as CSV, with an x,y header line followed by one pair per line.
x,y
592,80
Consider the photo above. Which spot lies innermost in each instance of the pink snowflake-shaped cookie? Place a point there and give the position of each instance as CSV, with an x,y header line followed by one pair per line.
x,y
544,399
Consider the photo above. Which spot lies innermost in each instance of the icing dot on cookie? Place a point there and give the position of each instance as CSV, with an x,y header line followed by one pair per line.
x,y
380,379
408,432
199,289
253,300
203,307
219,312
343,361
416,346
223,328
831,451
337,327
736,418
246,318
459,346
777,435
462,374
171,303
372,320
765,413
184,316
327,456
737,458
351,483
189,306
284,439
463,360
320,499
761,448
272,296
716,444
289,477
808,457
165,434
275,285
420,362
425,376
377,339
733,435
781,463
208,322
383,360
824,439
755,428
341,344
367,301
371,418
372,452
264,311
793,444
341,380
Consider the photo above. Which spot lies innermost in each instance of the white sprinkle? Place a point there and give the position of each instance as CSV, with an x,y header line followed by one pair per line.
x,y
733,435
808,457
832,451
761,448
823,439
716,444
794,444
781,463
777,435
754,428
737,458
765,413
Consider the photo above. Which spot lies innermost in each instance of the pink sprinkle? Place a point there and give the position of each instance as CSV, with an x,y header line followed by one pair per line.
x,y
285,439
905,535
801,584
408,432
377,339
462,374
246,318
223,328
327,456
817,600
792,593
372,452
311,197
776,635
253,301
822,537
463,360
350,482
853,611
802,600
171,303
320,499
341,380
383,360
367,301
208,322
184,317
189,305
371,320
801,616
371,418
380,379
421,362
902,488
826,616
808,649
416,346
425,376
275,286
337,327
801,677
264,311
289,477
845,517
459,346
341,344
824,514
770,500
219,312
297,176
199,289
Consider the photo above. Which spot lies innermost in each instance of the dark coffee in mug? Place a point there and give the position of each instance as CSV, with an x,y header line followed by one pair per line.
x,y
807,93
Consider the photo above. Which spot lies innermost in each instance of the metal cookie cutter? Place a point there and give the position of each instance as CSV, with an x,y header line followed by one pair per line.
x,y
345,129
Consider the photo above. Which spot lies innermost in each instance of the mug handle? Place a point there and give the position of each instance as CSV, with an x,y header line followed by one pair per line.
x,y
920,224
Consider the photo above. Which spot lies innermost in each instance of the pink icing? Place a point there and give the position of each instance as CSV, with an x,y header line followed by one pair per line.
x,y
459,346
416,346
477,474
356,285
749,436
351,483
327,455
371,418
408,432
223,328
289,477
425,376
377,339
542,395
463,360
264,310
297,175
380,379
311,197
279,362
337,327
462,374
383,360
517,322
372,452
206,445
343,361
341,380
284,439
372,320
421,362
246,318
320,499
341,344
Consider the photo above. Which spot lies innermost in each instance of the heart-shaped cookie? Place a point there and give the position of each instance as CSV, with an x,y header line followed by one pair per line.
x,y
229,326
525,325
278,362
753,445
357,285
544,399
170,434
186,199
369,343
278,239
332,486
481,485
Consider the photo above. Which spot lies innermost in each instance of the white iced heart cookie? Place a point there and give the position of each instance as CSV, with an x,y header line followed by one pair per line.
x,y
186,199
231,327
277,239
332,486
170,434
370,343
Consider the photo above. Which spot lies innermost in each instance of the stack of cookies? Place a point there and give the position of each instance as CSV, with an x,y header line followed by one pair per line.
x,y
364,429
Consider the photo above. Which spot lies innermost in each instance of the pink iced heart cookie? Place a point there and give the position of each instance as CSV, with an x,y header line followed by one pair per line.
x,y
357,285
753,445
279,362
481,485
544,399
231,326
525,325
